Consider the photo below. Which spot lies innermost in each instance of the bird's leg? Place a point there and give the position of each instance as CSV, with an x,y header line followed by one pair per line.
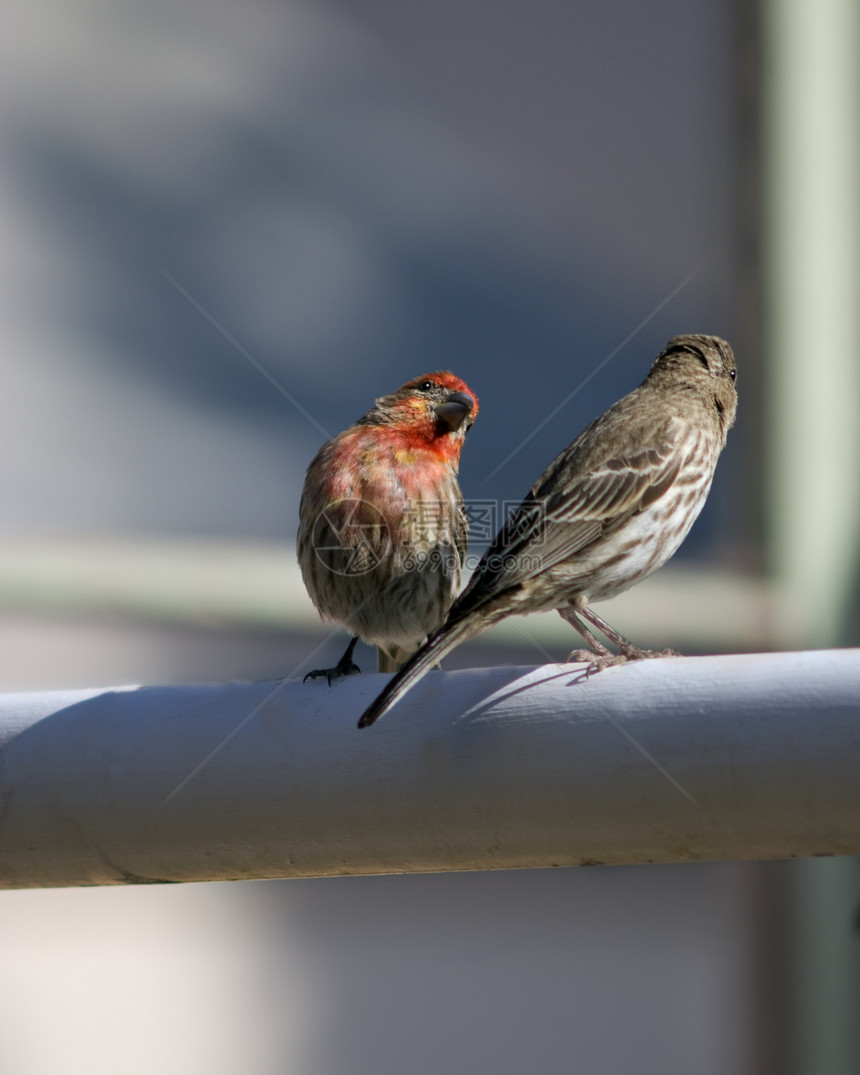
x,y
392,659
628,651
597,655
344,667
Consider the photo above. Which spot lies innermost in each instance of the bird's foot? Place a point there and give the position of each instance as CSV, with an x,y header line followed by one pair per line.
x,y
634,653
597,662
344,667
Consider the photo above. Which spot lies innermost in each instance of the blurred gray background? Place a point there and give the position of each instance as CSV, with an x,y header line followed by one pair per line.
x,y
355,193
227,228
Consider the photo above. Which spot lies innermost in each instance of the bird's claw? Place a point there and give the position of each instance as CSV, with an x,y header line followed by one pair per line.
x,y
341,669
597,662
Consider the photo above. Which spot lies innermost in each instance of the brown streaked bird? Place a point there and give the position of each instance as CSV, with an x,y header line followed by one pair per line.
x,y
611,508
383,532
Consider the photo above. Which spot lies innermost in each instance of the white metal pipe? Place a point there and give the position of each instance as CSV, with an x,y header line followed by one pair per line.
x,y
661,761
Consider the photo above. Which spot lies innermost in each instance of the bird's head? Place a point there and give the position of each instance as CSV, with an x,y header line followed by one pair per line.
x,y
430,407
706,363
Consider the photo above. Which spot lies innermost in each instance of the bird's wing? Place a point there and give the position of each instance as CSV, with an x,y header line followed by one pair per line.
x,y
460,527
574,502
604,499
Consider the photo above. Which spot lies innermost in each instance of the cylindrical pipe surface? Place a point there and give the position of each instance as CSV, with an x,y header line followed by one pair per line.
x,y
659,761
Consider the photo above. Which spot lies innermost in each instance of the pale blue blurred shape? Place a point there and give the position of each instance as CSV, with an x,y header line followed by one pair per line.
x,y
289,168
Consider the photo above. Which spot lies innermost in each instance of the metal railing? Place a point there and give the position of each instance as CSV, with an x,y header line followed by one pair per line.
x,y
727,757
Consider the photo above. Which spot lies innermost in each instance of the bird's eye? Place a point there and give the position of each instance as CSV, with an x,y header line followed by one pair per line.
x,y
733,374
425,386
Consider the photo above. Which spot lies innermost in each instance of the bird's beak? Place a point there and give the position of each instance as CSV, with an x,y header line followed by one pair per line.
x,y
454,410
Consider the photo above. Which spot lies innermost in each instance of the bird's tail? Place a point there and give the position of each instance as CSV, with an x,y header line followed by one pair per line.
x,y
448,637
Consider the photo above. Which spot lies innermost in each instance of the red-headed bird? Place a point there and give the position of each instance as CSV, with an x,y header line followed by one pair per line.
x,y
383,532
611,508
